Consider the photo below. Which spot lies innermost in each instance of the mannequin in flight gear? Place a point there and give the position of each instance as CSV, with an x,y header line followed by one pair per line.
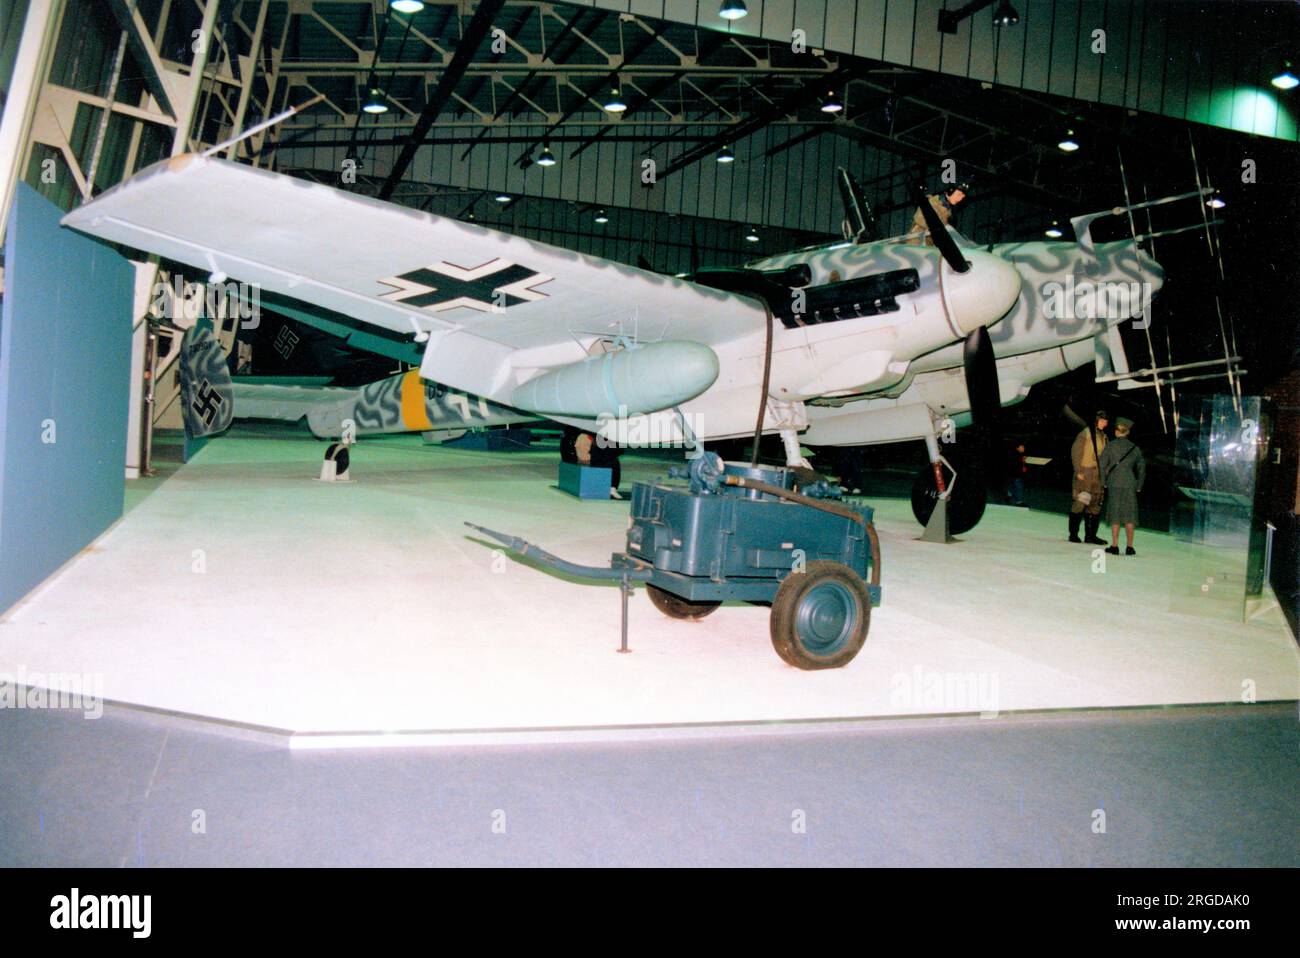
x,y
1123,470
1085,485
944,203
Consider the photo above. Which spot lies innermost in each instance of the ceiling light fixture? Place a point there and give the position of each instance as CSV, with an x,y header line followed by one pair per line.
x,y
614,103
374,102
406,6
752,235
733,9
726,156
1285,79
1068,145
547,158
503,198
601,216
832,103
1004,15
1215,203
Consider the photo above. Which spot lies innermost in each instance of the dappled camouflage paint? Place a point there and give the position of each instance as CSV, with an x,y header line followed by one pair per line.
x,y
406,403
1041,264
1027,327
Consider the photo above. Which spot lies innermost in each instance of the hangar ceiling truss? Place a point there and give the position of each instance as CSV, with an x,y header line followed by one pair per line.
x,y
554,65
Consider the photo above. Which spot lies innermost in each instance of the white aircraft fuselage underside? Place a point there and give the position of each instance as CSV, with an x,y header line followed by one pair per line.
x,y
942,392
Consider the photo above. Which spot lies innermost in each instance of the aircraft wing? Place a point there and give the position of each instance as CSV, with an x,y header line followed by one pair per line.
x,y
497,308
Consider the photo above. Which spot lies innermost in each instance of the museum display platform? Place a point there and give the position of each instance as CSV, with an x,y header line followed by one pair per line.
x,y
241,591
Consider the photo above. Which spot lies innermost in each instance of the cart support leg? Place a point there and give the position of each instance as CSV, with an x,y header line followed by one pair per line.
x,y
625,587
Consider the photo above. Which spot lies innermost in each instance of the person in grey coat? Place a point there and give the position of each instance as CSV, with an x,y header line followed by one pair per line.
x,y
1123,471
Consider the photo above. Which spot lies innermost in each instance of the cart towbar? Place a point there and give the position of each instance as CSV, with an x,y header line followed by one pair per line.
x,y
527,549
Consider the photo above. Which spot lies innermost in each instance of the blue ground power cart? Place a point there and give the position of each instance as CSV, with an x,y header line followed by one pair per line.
x,y
761,534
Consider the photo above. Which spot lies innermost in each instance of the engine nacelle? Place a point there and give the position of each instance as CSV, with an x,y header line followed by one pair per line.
x,y
627,382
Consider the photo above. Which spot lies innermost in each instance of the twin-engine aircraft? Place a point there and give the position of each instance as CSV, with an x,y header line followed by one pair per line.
x,y
1074,296
806,342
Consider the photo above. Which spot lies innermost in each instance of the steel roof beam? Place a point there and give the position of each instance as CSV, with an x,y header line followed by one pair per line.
x,y
638,48
141,45
788,104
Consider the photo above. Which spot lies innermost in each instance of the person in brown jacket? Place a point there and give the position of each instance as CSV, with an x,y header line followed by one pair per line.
x,y
943,205
1085,485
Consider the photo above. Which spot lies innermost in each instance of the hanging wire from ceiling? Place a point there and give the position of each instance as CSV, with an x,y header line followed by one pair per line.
x,y
1168,324
1227,332
370,79
1137,258
392,75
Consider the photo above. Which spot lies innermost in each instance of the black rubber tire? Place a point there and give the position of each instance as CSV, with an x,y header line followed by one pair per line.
x,y
829,595
338,451
965,507
675,607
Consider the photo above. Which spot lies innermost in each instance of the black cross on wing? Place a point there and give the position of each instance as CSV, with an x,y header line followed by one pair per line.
x,y
494,285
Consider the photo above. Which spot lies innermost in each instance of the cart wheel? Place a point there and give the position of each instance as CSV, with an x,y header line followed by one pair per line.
x,y
820,616
675,607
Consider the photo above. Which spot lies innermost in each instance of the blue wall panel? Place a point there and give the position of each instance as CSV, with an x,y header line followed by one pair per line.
x,y
65,349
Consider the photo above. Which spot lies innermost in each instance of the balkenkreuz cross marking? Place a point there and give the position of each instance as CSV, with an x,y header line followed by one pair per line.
x,y
495,284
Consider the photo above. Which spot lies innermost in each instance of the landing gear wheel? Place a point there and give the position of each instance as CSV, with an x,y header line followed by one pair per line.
x,y
338,451
820,616
965,506
675,607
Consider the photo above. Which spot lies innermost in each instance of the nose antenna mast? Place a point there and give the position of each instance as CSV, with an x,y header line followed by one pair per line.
x,y
1139,377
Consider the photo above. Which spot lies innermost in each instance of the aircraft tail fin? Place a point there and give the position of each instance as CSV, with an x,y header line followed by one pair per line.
x,y
859,221
207,395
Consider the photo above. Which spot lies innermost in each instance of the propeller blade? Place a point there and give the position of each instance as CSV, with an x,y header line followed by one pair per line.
x,y
985,406
938,234
982,380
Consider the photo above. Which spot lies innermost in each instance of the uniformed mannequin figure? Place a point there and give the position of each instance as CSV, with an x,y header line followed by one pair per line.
x,y
1123,471
943,205
1086,488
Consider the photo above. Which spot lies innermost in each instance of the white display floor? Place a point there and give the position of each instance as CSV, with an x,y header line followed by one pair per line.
x,y
243,590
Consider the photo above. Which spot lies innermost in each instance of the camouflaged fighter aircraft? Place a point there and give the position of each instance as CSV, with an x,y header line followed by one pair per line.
x,y
1073,298
641,358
